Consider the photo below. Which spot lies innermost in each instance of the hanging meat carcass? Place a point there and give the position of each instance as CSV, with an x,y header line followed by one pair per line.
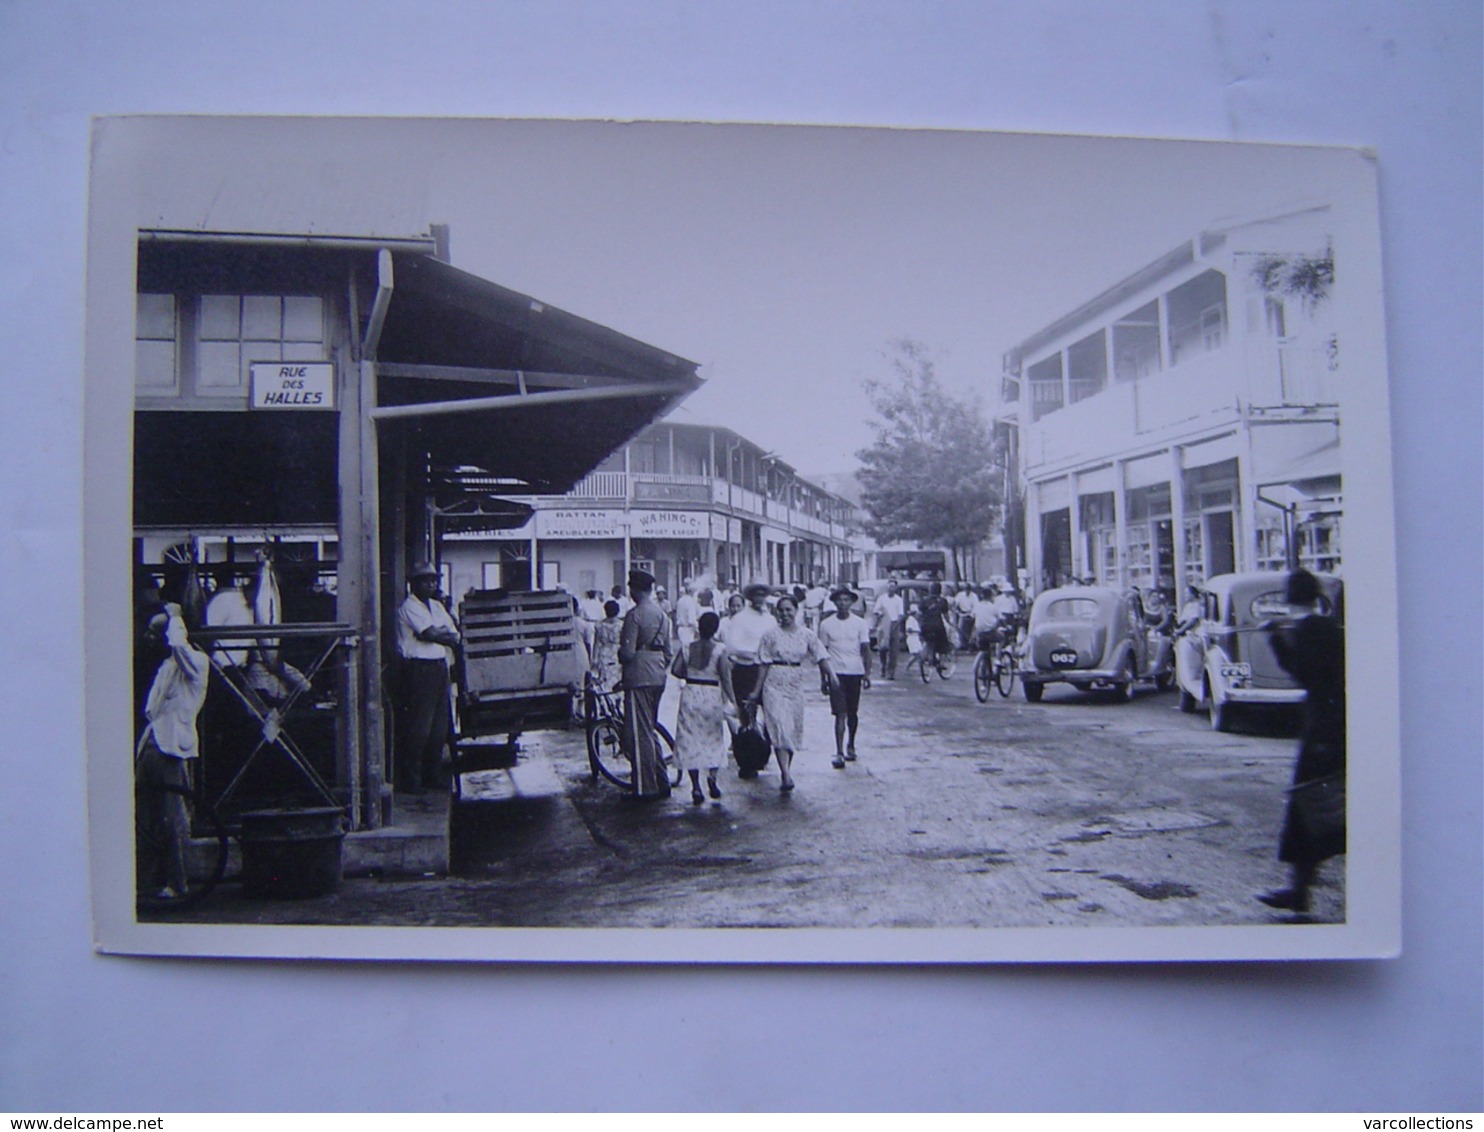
x,y
267,606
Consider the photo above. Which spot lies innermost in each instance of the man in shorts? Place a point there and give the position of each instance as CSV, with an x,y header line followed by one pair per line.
x,y
847,640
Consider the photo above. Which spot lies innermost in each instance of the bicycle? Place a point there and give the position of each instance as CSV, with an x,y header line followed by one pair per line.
x,y
995,665
607,754
940,661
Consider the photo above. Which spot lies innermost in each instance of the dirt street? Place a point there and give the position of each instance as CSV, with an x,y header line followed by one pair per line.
x,y
1075,811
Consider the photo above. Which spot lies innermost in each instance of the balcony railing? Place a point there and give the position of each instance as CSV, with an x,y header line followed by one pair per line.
x,y
1307,376
601,485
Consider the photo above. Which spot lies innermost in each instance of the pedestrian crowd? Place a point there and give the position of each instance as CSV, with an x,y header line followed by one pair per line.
x,y
745,665
742,660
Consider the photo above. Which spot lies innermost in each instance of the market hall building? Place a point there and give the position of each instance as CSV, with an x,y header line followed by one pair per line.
x,y
1185,422
680,501
334,405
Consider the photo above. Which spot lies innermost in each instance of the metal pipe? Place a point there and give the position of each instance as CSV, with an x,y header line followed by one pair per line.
x,y
423,244
385,282
516,401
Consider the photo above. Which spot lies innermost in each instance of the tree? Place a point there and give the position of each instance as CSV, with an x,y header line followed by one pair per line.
x,y
1307,278
932,476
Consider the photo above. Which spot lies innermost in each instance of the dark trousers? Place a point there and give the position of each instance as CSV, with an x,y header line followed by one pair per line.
x,y
163,820
745,679
896,636
641,717
425,723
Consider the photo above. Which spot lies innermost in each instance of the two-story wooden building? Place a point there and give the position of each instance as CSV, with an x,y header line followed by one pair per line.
x,y
1185,422
679,500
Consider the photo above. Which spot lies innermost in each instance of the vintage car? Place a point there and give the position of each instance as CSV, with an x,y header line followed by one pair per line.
x,y
1225,661
1095,638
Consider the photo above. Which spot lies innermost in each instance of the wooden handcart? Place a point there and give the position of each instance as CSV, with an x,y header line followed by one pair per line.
x,y
518,669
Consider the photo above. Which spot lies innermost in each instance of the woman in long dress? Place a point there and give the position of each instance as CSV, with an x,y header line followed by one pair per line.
x,y
605,647
783,653
705,702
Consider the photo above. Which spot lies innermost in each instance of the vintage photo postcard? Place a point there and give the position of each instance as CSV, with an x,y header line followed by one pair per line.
x,y
681,542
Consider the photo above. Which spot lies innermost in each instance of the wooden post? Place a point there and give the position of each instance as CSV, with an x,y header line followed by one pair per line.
x,y
359,595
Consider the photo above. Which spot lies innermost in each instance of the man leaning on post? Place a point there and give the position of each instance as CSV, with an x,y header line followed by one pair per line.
x,y
425,634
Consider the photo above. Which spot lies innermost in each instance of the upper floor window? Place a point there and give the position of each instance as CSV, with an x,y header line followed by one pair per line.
x,y
1087,367
1045,380
192,349
233,331
1197,316
1136,343
155,363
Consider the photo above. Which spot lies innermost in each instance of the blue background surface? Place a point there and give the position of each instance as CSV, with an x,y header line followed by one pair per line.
x,y
80,1032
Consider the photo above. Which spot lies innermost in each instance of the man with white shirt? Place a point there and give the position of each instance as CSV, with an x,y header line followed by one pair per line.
x,y
166,751
963,615
425,634
847,640
889,620
687,613
745,631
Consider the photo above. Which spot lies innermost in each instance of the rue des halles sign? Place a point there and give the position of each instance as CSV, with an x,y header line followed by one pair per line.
x,y
293,385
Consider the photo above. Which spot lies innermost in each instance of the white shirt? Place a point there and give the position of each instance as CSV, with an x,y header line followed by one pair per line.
x,y
687,612
986,615
889,607
745,631
178,691
415,616
843,639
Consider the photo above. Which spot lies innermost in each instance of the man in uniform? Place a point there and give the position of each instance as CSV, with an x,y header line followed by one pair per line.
x,y
425,634
645,652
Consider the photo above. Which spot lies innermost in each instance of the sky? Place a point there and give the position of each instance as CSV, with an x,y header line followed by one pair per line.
x,y
784,260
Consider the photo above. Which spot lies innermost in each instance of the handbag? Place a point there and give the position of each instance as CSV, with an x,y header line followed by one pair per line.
x,y
1317,808
751,749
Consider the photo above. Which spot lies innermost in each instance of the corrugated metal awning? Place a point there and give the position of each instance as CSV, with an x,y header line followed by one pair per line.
x,y
477,374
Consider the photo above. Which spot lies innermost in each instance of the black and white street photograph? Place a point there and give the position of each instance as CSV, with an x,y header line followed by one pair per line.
x,y
736,543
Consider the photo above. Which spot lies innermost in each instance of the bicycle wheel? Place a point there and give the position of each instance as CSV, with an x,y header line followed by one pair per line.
x,y
981,678
1004,677
945,663
924,668
605,751
150,843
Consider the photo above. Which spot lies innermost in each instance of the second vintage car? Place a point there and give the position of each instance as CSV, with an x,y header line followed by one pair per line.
x,y
1097,639
1224,662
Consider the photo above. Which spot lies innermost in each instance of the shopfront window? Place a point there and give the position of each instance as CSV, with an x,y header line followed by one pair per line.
x,y
1319,544
1211,513
1100,537
1151,539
